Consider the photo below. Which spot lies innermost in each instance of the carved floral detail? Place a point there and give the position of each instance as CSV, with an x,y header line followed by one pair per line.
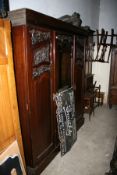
x,y
40,70
41,55
64,38
39,36
64,42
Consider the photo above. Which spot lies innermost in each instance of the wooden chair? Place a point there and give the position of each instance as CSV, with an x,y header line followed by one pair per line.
x,y
97,95
92,99
89,104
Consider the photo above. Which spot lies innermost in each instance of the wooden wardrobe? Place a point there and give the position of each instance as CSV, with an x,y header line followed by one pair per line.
x,y
48,55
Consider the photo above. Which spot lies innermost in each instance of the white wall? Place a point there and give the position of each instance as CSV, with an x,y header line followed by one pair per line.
x,y
107,20
88,9
101,75
108,14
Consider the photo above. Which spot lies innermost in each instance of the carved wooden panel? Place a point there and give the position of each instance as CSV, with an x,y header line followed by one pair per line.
x,y
41,54
35,89
38,36
40,70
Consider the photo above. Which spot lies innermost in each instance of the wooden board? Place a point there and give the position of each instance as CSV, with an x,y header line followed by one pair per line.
x,y
9,116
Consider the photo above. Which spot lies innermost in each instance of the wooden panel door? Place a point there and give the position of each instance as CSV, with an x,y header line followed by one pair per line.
x,y
64,54
40,119
79,75
33,66
42,126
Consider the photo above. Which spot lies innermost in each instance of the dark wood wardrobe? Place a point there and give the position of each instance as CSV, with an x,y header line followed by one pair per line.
x,y
48,55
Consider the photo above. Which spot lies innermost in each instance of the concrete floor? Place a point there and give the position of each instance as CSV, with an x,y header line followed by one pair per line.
x,y
92,152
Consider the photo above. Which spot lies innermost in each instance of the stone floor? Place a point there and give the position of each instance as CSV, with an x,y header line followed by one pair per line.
x,y
92,152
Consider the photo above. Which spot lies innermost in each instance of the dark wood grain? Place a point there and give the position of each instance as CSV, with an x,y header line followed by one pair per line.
x,y
113,80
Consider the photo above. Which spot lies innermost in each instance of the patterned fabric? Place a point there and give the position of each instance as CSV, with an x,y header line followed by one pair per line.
x,y
66,118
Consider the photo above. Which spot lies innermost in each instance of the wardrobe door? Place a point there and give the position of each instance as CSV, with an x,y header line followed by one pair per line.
x,y
34,69
41,120
64,54
79,75
40,94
